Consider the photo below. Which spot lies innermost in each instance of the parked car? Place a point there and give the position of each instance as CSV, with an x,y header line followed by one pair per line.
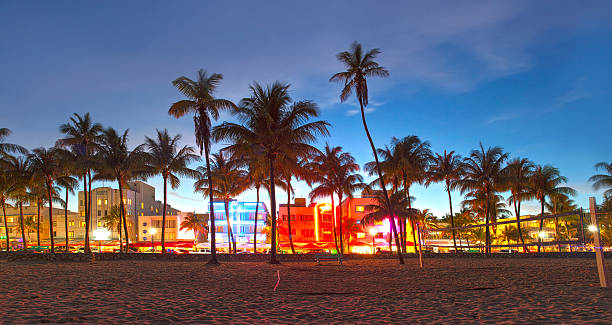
x,y
508,250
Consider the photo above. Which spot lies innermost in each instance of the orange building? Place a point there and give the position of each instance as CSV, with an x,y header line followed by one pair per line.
x,y
312,227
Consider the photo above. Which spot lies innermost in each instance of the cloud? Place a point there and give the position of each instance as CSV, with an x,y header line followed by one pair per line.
x,y
183,197
503,117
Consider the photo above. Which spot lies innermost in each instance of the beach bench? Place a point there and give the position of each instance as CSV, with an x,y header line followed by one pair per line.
x,y
329,257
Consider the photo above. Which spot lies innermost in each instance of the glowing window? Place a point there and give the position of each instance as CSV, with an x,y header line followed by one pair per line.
x,y
105,201
142,205
71,234
82,223
71,223
99,201
9,219
361,235
378,223
360,208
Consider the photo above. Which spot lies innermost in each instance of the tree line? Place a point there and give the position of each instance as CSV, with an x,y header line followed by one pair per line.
x,y
269,146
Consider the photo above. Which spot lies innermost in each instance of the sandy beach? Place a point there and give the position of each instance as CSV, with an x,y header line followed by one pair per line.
x,y
489,291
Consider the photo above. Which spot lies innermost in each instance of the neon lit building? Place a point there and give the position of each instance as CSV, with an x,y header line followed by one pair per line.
x,y
242,222
312,227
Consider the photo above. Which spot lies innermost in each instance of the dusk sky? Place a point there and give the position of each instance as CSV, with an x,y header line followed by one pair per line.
x,y
531,77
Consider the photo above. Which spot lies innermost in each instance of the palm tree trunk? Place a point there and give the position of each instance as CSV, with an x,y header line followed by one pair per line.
x,y
518,224
256,217
38,203
230,236
452,217
66,218
541,225
340,223
123,213
213,241
557,235
273,259
23,238
487,230
163,233
289,216
6,230
86,205
381,179
334,224
49,185
91,225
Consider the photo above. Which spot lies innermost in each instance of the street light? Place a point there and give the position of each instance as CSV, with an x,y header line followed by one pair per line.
x,y
152,231
593,228
373,233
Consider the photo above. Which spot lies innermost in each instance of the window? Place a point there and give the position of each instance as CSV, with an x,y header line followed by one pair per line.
x,y
156,210
142,205
361,235
82,203
360,208
54,223
105,213
105,202
71,223
71,234
171,223
10,219
54,234
82,213
171,235
307,218
99,223
326,232
33,218
99,201
327,218
82,223
292,218
219,229
308,232
99,213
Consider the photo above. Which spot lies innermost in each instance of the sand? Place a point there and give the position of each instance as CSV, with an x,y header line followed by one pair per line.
x,y
489,291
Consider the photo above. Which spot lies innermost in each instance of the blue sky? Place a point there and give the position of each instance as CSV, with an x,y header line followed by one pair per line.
x,y
531,77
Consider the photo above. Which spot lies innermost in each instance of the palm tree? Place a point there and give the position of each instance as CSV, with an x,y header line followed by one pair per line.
x,y
510,233
359,66
229,181
167,158
112,220
19,175
45,163
561,203
69,169
30,225
256,178
603,181
7,148
202,103
336,173
117,163
447,168
483,172
273,126
544,183
516,176
37,192
352,227
194,223
398,208
82,135
5,186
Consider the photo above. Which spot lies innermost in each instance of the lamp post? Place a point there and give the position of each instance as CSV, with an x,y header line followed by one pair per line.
x,y
373,233
152,231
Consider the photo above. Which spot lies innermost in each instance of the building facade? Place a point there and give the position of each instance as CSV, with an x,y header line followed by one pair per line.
x,y
76,226
241,222
138,199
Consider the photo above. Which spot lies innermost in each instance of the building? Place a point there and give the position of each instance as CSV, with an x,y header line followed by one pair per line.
x,y
149,228
242,223
76,226
312,227
138,199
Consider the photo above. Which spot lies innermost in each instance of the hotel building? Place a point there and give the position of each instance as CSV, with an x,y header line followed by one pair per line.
x,y
242,222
